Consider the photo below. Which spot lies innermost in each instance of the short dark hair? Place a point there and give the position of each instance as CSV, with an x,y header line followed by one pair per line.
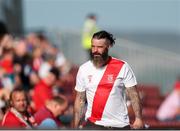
x,y
104,35
91,15
41,36
59,99
55,71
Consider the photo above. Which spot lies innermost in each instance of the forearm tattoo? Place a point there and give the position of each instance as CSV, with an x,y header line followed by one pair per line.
x,y
135,101
82,98
79,107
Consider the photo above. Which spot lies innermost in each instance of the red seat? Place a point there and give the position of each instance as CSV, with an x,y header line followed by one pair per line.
x,y
149,113
163,125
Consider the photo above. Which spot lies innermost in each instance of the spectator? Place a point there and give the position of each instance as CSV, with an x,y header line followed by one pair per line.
x,y
46,65
43,90
89,29
32,41
6,65
18,116
169,110
22,64
47,116
37,59
6,75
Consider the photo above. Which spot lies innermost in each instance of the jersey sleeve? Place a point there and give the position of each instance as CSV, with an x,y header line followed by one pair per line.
x,y
129,77
80,83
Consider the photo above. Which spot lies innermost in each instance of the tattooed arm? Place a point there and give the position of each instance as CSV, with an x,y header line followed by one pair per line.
x,y
78,108
137,107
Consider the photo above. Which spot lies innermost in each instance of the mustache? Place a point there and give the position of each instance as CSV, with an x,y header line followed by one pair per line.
x,y
96,54
104,55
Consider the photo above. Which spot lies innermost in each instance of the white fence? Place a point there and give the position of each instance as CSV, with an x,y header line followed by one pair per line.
x,y
151,65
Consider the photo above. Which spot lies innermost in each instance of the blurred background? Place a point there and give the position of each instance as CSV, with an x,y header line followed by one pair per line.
x,y
152,25
147,32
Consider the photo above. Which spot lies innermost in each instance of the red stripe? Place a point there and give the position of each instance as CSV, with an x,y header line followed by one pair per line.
x,y
104,88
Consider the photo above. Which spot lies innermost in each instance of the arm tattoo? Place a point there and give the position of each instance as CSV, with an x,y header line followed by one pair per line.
x,y
79,107
135,101
82,98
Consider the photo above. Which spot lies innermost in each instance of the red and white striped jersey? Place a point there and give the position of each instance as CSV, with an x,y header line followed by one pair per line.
x,y
105,91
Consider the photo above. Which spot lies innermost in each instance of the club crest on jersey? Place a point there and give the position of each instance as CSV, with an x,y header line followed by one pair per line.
x,y
110,78
89,78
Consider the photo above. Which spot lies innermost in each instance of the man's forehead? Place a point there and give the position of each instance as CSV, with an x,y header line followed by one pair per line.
x,y
100,41
18,93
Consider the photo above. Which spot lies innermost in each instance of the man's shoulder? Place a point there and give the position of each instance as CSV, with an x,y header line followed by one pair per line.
x,y
43,111
42,114
9,117
40,84
9,114
117,60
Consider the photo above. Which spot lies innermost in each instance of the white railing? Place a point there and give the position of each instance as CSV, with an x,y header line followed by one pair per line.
x,y
151,65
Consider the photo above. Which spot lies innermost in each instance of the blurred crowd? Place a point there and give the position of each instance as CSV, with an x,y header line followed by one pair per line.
x,y
33,66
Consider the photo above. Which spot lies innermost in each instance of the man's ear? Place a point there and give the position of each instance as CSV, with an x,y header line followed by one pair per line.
x,y
109,46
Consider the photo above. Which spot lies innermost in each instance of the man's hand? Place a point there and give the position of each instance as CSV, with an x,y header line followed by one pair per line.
x,y
137,107
138,124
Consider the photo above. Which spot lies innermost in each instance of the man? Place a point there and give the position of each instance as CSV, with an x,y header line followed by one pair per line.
x,y
22,64
43,90
17,116
102,81
47,116
89,29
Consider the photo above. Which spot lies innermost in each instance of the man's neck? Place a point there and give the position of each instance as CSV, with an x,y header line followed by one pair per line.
x,y
49,107
22,117
46,81
19,112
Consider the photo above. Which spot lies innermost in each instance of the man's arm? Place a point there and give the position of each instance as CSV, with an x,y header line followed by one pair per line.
x,y
137,107
79,107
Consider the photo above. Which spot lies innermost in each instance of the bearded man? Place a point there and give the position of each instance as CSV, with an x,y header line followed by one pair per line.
x,y
103,82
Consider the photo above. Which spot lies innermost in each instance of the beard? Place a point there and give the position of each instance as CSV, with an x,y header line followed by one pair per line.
x,y
99,59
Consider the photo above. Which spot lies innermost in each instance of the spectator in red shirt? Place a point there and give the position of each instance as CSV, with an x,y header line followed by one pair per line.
x,y
48,114
43,89
18,116
6,61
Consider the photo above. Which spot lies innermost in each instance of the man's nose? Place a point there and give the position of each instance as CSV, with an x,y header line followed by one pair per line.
x,y
95,49
23,103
